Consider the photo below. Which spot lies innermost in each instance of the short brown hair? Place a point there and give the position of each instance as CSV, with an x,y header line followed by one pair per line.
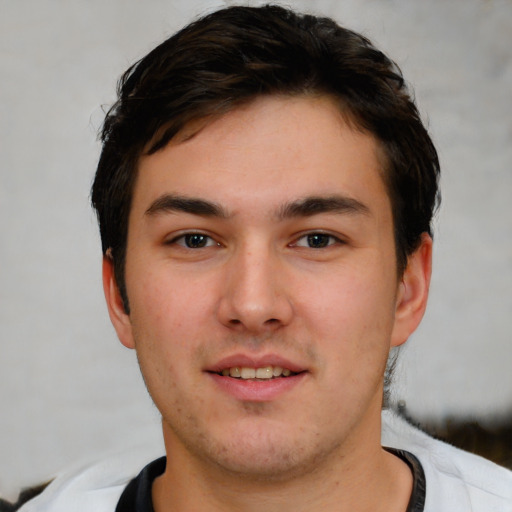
x,y
234,55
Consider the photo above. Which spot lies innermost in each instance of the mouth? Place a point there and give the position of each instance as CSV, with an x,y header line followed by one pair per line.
x,y
257,379
263,373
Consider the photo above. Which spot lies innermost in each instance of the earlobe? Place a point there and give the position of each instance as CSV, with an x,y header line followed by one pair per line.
x,y
413,292
118,316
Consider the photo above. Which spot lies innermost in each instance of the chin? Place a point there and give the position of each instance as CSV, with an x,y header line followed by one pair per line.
x,y
271,466
266,454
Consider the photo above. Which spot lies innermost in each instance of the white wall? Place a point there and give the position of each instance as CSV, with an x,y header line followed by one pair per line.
x,y
68,389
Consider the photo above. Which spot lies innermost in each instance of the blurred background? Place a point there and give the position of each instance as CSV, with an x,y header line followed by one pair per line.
x,y
68,390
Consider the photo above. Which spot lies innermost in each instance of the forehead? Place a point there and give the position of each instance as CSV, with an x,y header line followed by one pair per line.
x,y
271,151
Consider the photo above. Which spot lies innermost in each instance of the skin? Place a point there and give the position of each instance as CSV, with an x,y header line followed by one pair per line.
x,y
270,278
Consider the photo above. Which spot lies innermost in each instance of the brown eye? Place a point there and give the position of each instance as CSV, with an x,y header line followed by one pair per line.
x,y
194,241
317,241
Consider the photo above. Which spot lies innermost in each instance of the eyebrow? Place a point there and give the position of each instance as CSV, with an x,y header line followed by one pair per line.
x,y
310,206
305,207
169,203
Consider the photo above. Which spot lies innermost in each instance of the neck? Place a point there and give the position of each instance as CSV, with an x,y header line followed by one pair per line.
x,y
360,477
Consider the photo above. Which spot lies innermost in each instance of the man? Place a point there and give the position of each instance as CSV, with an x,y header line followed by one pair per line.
x,y
264,194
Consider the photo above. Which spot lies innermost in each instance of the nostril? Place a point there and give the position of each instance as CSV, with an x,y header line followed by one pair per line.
x,y
269,322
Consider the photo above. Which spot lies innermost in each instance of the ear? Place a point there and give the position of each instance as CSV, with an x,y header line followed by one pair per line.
x,y
118,316
413,292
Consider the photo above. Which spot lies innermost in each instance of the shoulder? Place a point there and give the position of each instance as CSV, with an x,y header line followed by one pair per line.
x,y
91,488
456,480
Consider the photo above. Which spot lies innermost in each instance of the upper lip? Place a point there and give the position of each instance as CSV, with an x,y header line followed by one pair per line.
x,y
247,361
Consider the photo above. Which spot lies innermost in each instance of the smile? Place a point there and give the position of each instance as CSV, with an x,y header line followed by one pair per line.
x,y
263,380
263,373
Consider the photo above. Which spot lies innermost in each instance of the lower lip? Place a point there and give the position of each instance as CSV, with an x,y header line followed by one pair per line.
x,y
257,390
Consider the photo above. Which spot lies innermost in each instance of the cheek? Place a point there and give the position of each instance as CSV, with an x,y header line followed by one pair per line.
x,y
171,317
353,311
164,341
357,296
170,301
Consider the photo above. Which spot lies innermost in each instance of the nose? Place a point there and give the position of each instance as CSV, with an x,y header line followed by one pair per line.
x,y
254,297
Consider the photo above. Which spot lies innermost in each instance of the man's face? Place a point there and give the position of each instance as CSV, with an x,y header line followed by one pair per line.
x,y
263,246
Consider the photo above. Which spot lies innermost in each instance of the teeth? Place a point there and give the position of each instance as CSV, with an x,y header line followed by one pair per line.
x,y
277,371
235,372
266,372
248,373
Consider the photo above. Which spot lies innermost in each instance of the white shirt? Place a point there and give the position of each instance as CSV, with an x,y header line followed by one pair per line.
x,y
456,481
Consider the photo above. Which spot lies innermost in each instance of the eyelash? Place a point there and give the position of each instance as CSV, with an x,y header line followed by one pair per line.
x,y
210,242
325,239
331,240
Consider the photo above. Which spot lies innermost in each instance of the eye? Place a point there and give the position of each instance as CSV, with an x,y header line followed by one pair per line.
x,y
317,241
194,241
